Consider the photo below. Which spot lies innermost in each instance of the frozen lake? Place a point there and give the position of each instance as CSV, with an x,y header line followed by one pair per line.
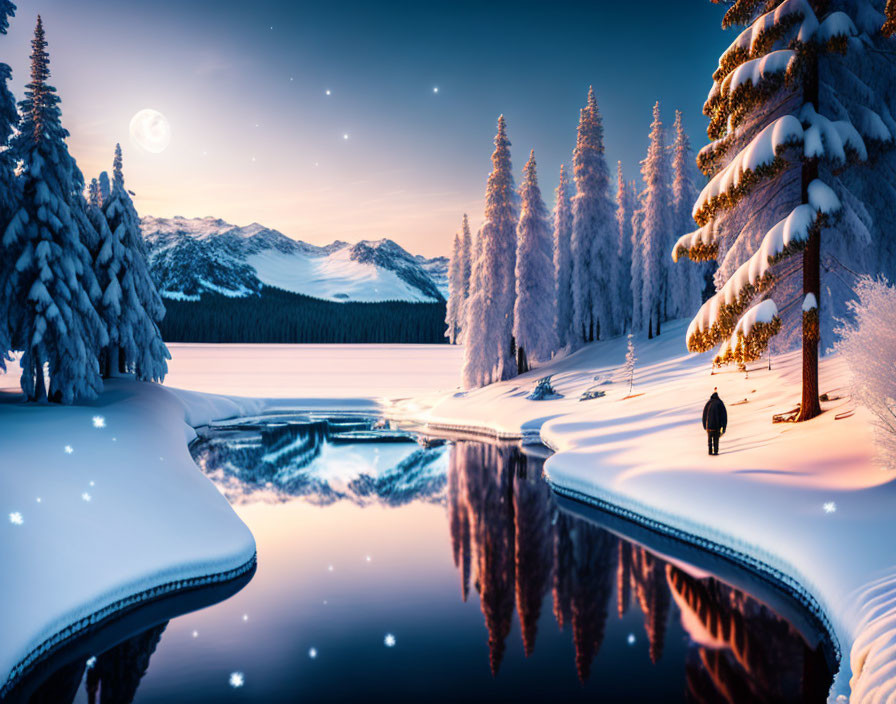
x,y
395,570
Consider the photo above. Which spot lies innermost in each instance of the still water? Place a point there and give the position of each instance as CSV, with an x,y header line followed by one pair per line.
x,y
402,570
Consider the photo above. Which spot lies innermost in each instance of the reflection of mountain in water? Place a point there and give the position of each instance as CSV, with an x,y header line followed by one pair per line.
x,y
512,542
322,460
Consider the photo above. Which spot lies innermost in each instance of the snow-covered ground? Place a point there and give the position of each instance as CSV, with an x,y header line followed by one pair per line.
x,y
804,499
102,506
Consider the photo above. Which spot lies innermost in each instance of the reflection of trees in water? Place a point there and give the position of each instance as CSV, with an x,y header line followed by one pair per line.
x,y
115,675
506,528
117,672
743,651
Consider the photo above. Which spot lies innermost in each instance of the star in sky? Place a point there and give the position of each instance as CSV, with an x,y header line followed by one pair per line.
x,y
829,507
329,92
16,518
389,640
99,422
86,496
435,89
345,136
237,679
312,653
69,449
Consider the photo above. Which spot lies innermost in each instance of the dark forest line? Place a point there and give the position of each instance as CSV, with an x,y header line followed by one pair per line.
x,y
278,316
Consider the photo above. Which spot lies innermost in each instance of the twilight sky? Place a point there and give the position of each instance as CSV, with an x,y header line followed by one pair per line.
x,y
256,137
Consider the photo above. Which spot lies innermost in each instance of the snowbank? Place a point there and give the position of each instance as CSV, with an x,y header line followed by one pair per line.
x,y
102,508
803,500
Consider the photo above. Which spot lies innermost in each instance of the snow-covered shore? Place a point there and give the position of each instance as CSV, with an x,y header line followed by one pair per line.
x,y
103,508
807,500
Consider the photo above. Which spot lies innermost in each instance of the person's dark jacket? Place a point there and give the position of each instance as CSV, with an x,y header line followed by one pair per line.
x,y
715,417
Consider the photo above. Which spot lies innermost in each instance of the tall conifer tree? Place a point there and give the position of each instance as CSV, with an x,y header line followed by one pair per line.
x,y
534,312
566,330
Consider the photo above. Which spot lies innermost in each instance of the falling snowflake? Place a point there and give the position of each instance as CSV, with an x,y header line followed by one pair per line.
x,y
367,558
38,499
86,496
195,634
69,449
245,617
389,640
237,679
91,482
829,507
312,653
329,568
99,422
631,639
16,518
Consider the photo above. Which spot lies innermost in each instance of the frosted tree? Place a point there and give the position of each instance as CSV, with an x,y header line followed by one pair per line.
x,y
686,283
868,344
136,344
628,368
566,331
9,191
456,296
593,230
489,353
466,248
625,202
656,225
801,190
55,326
637,268
534,314
105,188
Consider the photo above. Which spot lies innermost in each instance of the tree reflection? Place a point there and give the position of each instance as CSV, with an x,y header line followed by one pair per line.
x,y
506,529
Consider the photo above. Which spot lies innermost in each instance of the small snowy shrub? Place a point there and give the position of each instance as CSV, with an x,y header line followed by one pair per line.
x,y
592,393
868,344
543,390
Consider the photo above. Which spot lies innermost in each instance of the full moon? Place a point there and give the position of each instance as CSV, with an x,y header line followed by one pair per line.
x,y
150,130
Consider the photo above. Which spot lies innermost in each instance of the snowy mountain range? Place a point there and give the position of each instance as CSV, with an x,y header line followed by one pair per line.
x,y
192,256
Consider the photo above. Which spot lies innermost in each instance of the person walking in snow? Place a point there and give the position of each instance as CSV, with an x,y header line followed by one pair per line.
x,y
715,421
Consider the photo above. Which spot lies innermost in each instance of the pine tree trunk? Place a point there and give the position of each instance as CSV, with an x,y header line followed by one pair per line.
x,y
522,363
809,406
650,328
40,388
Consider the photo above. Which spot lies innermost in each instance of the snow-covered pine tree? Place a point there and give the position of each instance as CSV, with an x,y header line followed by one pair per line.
x,y
686,283
534,314
656,224
489,353
466,249
136,344
566,331
105,188
624,211
455,292
637,267
593,230
801,114
52,282
9,192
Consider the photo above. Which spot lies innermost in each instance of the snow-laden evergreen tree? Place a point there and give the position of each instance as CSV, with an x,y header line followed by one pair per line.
x,y
637,267
534,314
656,226
55,324
9,187
593,230
625,201
105,188
489,353
136,344
466,248
686,283
455,306
566,330
801,190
